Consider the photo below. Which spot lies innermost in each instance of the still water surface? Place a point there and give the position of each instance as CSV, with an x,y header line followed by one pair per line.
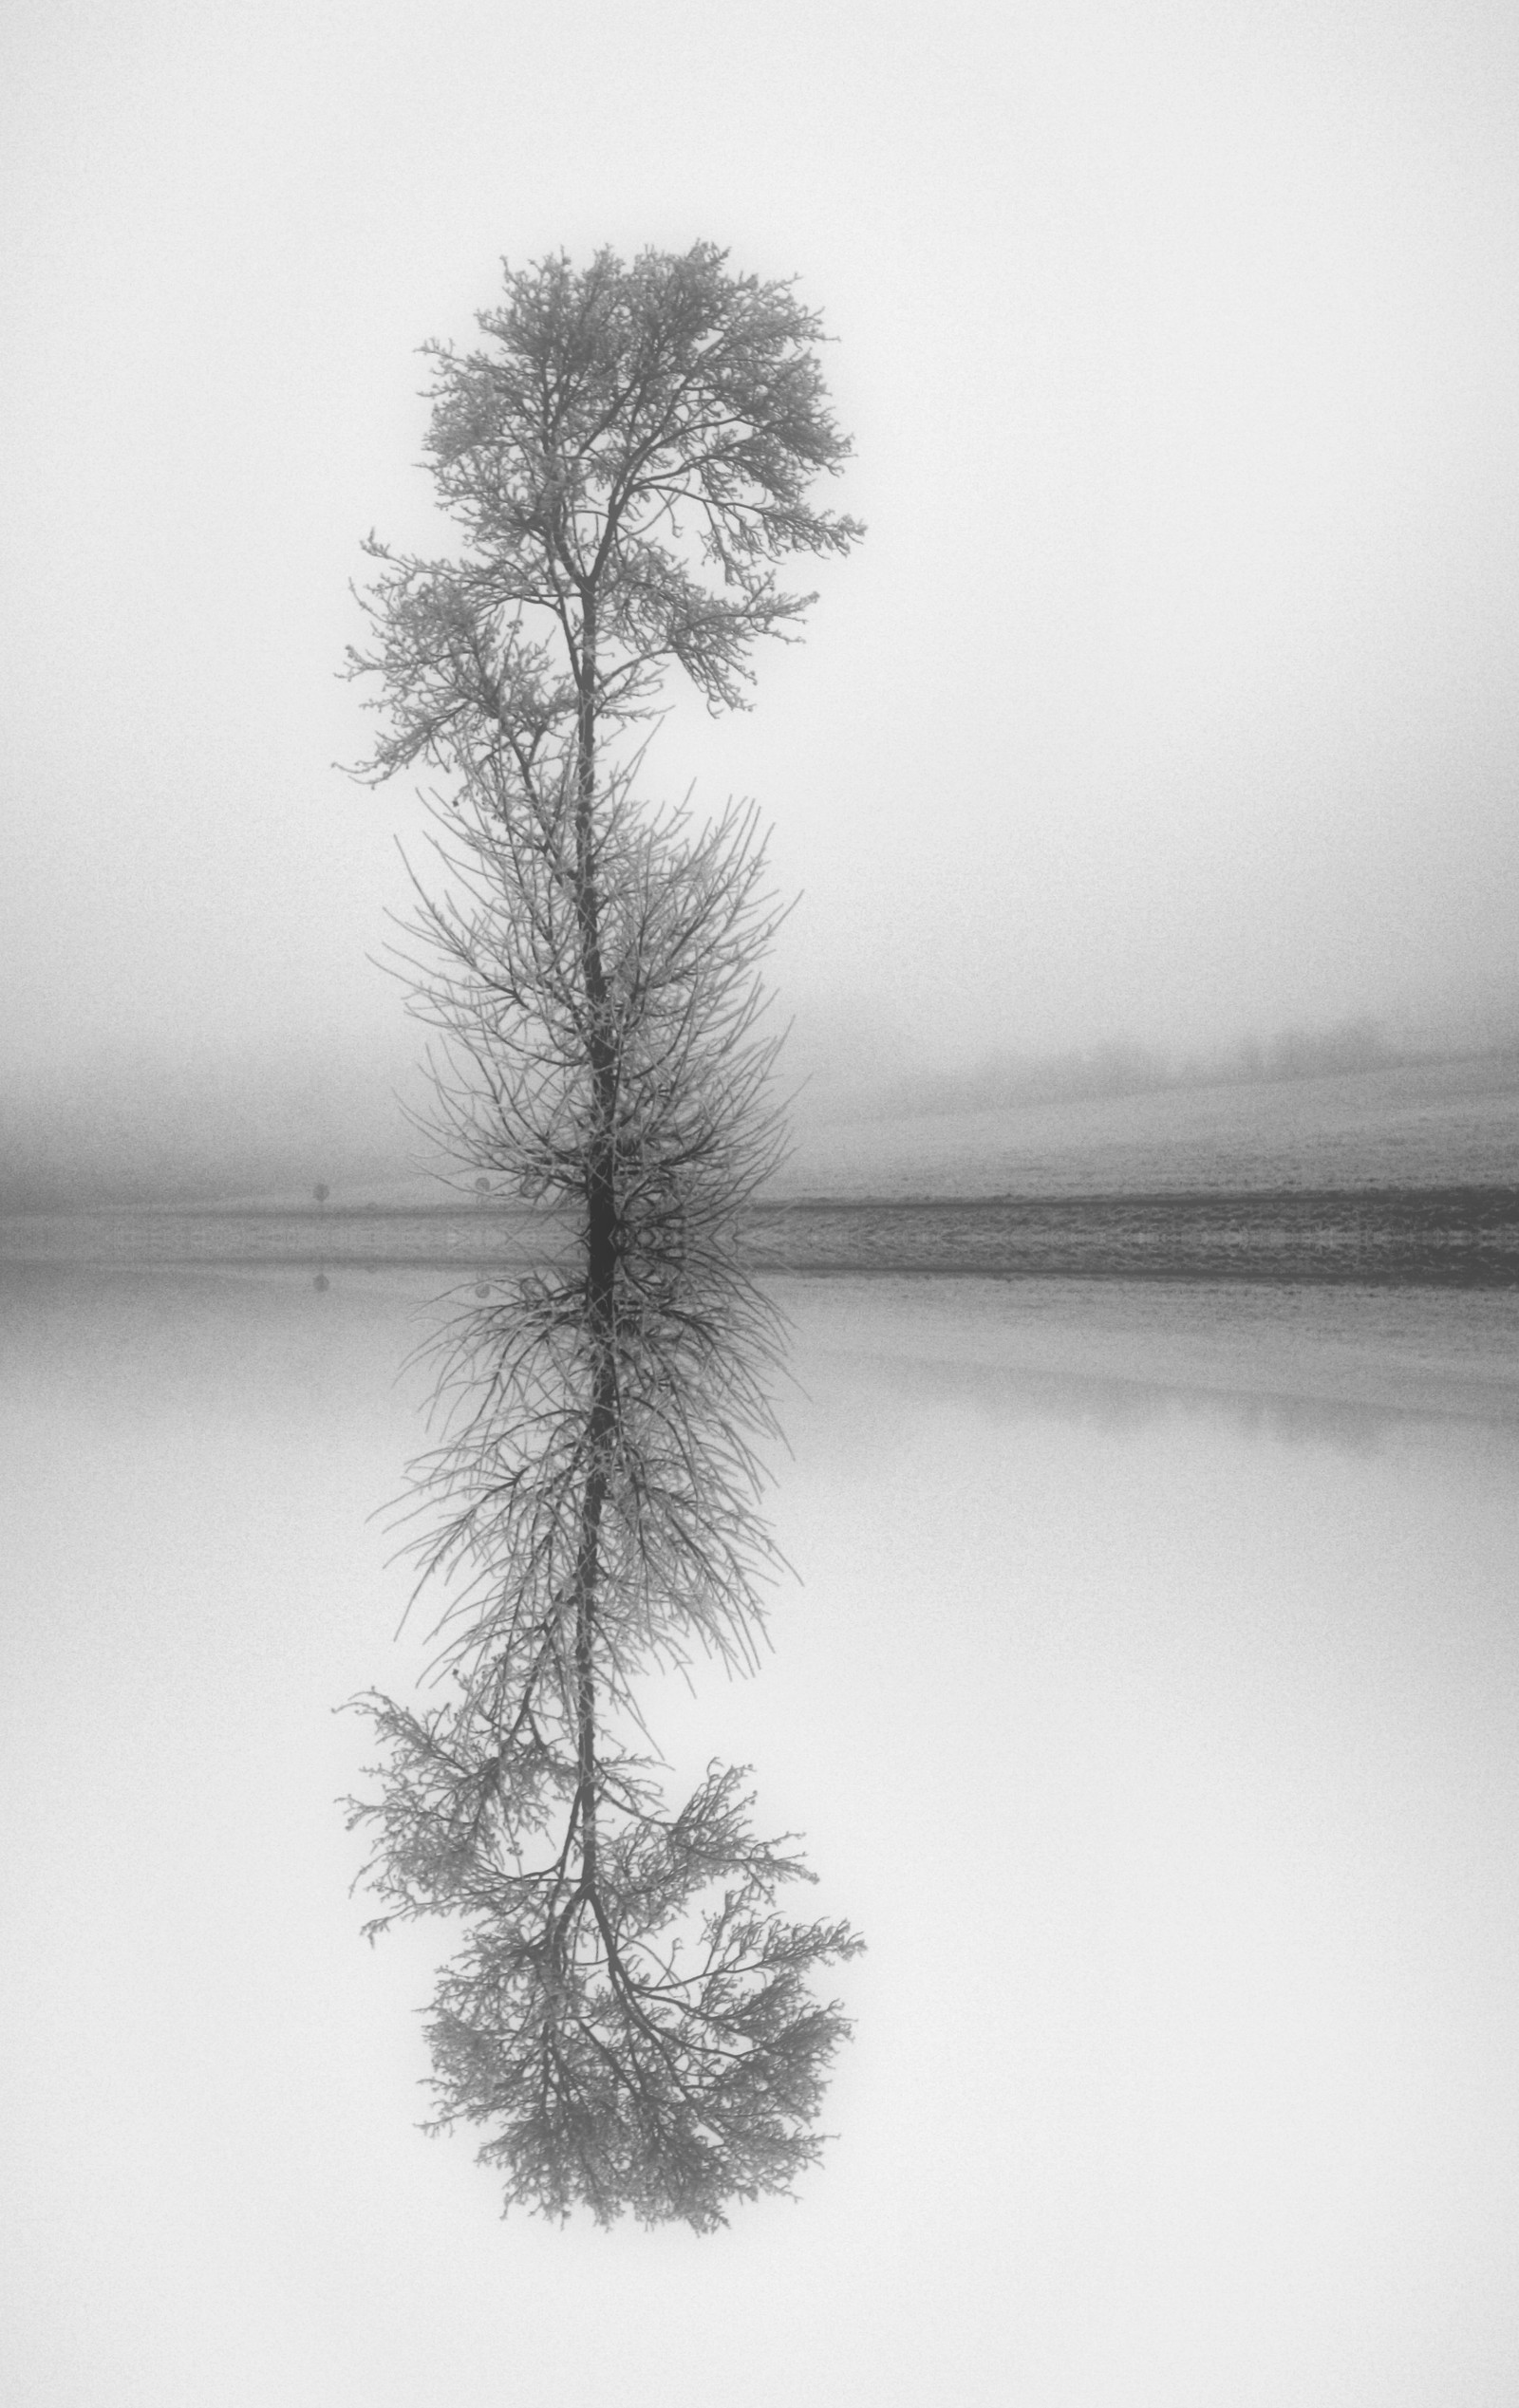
x,y
1151,1700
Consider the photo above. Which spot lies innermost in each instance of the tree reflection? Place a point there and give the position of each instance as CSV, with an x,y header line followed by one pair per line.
x,y
630,2016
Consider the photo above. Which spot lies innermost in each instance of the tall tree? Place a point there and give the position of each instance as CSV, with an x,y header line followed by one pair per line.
x,y
628,459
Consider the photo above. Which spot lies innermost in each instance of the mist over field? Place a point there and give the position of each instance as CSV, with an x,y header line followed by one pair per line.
x,y
124,1131
1011,1081
1167,710
271,1127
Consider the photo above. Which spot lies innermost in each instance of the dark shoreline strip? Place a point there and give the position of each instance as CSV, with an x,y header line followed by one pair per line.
x,y
1462,1237
1466,1236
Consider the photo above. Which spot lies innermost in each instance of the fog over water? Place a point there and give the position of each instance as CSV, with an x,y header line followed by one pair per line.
x,y
1169,702
1149,1700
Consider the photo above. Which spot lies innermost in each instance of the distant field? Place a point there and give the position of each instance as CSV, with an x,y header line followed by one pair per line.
x,y
1394,1177
1448,1125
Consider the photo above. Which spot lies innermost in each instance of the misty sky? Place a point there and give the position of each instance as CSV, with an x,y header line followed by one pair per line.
x,y
1172,697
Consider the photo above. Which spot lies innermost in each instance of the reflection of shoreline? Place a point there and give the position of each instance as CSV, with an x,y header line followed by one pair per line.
x,y
1443,1236
1354,1355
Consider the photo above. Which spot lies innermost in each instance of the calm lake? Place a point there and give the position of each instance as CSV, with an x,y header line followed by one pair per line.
x,y
1149,1698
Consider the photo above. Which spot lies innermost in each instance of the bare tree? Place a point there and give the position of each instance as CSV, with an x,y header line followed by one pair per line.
x,y
627,460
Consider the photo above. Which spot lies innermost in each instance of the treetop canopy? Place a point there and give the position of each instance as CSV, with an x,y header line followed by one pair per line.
x,y
628,452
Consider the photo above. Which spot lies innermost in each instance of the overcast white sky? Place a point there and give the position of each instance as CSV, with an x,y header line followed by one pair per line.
x,y
1173,695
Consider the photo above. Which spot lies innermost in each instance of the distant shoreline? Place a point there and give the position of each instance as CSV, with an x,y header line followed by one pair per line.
x,y
1428,1236
1464,1236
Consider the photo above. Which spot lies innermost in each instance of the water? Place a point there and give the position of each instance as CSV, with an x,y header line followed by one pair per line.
x,y
1149,1701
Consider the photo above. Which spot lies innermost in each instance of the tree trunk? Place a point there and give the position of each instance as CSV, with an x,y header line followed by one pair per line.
x,y
601,1243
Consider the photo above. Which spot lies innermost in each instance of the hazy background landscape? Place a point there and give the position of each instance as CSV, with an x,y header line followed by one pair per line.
x,y
1166,721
